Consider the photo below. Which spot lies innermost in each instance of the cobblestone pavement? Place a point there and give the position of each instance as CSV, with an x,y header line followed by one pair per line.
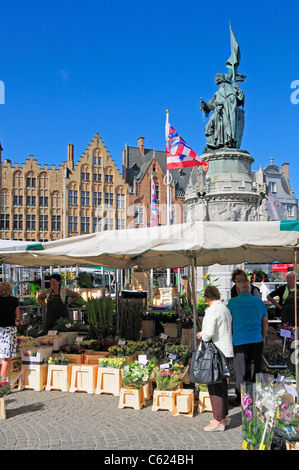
x,y
55,420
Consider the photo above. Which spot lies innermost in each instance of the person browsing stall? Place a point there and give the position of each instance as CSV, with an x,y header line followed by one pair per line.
x,y
216,326
9,318
250,326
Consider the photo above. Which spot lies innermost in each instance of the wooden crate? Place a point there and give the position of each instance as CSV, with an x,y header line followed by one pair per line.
x,y
73,358
83,378
171,329
148,328
93,357
183,404
109,380
131,398
148,391
2,408
33,377
163,400
59,377
41,354
187,337
204,402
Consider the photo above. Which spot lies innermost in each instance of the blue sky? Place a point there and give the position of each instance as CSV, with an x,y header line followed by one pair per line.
x,y
73,68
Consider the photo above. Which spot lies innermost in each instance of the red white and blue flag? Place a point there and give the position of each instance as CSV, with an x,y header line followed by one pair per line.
x,y
179,154
154,209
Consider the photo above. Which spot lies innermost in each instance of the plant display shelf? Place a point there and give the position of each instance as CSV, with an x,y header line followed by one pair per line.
x,y
33,377
109,380
73,358
183,403
83,378
59,377
131,398
204,402
148,390
93,356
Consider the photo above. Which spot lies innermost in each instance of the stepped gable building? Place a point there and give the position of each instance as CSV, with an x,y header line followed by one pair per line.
x,y
48,203
139,163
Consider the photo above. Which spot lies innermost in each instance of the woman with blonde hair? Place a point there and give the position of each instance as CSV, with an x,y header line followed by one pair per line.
x,y
9,315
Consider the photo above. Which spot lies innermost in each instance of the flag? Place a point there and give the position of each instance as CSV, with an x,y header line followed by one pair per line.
x,y
154,210
275,208
179,154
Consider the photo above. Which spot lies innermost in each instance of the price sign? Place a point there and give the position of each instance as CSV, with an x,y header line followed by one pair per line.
x,y
52,332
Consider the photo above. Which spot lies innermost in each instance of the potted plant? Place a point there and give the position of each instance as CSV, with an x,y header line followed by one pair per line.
x,y
135,375
169,379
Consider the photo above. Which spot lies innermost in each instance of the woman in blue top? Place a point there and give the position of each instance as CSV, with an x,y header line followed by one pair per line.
x,y
250,326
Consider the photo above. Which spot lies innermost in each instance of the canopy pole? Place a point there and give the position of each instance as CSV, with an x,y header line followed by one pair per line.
x,y
193,277
296,329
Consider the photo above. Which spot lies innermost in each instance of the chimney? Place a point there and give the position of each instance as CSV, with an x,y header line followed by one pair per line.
x,y
285,167
70,156
141,145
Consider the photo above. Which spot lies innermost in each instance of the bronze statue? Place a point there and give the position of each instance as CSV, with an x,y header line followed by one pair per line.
x,y
225,127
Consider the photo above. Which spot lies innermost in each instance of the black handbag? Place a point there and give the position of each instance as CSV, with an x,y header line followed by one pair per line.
x,y
208,364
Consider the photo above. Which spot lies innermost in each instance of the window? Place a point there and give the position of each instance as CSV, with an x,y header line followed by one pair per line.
x,y
157,191
97,161
85,224
30,181
30,222
18,200
4,198
56,223
73,197
43,223
43,180
17,179
97,198
108,223
290,210
18,222
120,224
97,177
85,174
120,201
108,178
272,187
138,216
85,198
73,223
43,201
30,201
97,224
55,199
109,199
4,221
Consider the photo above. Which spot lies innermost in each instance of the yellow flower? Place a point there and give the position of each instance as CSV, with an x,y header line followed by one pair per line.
x,y
206,276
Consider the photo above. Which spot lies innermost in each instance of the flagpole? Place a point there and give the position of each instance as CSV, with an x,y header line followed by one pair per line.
x,y
167,179
168,198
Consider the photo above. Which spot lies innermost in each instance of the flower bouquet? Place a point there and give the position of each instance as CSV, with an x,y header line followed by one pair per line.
x,y
4,388
169,379
135,375
114,362
287,417
248,415
267,398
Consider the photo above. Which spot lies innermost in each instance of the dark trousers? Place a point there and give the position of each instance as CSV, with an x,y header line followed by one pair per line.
x,y
248,363
219,399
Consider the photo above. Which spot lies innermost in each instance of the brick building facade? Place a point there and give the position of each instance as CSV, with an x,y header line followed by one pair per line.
x,y
48,203
139,164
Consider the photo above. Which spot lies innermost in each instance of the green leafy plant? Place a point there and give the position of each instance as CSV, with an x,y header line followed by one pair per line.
x,y
100,313
135,375
129,317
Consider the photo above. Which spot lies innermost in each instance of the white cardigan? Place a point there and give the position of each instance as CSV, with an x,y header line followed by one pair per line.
x,y
217,326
